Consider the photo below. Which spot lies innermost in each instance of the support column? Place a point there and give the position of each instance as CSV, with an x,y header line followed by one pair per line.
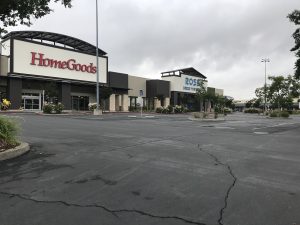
x,y
209,106
166,102
175,98
120,103
125,103
112,103
156,103
65,95
14,92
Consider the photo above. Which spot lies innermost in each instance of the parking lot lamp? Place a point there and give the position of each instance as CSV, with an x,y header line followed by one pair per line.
x,y
265,60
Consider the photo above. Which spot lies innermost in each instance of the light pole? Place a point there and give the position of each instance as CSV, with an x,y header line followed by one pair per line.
x,y
97,62
265,60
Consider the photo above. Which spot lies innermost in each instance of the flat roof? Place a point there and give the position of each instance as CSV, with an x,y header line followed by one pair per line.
x,y
65,40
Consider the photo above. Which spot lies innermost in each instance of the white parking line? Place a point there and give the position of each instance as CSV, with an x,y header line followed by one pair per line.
x,y
260,132
231,128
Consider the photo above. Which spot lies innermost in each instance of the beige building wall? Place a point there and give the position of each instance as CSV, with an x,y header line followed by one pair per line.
x,y
135,84
157,103
3,65
125,102
219,92
112,103
166,102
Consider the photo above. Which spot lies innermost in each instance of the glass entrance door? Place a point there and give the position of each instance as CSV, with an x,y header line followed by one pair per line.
x,y
31,103
80,103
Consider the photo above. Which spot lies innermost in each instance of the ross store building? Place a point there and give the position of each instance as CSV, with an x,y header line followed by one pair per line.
x,y
183,86
38,67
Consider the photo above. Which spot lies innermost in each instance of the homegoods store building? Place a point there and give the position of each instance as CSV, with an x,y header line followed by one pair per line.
x,y
34,63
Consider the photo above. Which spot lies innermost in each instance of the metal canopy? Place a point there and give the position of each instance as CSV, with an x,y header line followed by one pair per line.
x,y
188,71
65,40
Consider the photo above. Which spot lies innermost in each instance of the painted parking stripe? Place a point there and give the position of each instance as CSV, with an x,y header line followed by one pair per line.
x,y
260,132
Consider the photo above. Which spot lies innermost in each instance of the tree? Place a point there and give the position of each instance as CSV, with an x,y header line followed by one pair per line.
x,y
262,96
207,97
14,12
201,94
219,103
249,104
293,86
257,102
229,103
280,93
295,18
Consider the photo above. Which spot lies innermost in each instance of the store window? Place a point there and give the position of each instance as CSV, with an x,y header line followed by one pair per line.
x,y
80,103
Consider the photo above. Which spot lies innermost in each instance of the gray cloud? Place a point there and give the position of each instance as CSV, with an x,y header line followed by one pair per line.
x,y
224,39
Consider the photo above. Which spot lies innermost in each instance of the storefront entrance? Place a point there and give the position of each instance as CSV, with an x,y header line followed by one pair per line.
x,y
31,102
80,103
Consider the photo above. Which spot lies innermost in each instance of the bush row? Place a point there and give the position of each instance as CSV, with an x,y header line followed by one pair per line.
x,y
284,114
253,110
53,108
170,109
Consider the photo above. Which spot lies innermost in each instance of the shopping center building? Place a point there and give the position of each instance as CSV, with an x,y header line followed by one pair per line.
x,y
38,67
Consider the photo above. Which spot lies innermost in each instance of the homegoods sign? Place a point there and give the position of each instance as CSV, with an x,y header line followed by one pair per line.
x,y
41,60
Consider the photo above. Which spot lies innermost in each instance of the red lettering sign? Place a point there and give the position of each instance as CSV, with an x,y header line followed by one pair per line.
x,y
38,59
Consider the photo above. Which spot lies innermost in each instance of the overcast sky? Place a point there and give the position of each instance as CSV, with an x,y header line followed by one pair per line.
x,y
223,39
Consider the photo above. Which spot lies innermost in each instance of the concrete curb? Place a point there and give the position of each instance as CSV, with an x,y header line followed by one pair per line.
x,y
14,152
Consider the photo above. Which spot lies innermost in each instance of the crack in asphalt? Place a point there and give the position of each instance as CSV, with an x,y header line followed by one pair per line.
x,y
111,211
143,143
222,210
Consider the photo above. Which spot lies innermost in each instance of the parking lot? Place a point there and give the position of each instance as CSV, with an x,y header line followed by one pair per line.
x,y
158,170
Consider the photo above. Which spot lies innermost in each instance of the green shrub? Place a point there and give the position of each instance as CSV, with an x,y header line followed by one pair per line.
x,y
159,109
92,106
178,109
252,110
48,108
58,108
165,110
273,114
169,109
227,110
52,108
284,114
217,109
9,130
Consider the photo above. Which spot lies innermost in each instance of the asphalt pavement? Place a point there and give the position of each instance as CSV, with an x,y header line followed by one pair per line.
x,y
156,170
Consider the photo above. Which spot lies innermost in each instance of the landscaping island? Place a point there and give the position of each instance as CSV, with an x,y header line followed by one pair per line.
x,y
10,147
